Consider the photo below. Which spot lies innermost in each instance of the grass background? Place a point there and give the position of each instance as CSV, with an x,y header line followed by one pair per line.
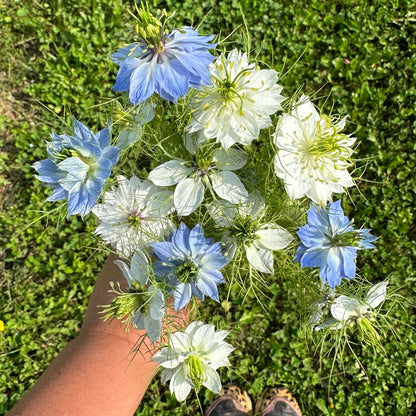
x,y
359,55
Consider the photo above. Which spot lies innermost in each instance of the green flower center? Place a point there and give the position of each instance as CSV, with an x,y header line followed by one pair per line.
x,y
327,140
243,230
134,221
195,371
187,272
203,161
367,331
348,239
128,303
149,28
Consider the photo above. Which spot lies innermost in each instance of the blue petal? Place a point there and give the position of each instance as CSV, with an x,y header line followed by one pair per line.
x,y
213,247
103,137
132,51
174,83
315,258
49,171
57,194
93,187
331,276
197,63
162,269
163,250
213,275
76,168
77,201
213,261
348,262
111,153
181,295
124,74
312,237
207,286
196,291
318,217
82,131
142,82
180,240
299,253
197,240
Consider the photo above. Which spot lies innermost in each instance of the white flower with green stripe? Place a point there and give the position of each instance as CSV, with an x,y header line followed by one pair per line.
x,y
212,168
243,228
237,103
192,358
314,155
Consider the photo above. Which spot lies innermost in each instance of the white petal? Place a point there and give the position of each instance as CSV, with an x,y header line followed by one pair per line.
x,y
377,294
274,237
228,186
139,268
260,258
153,328
125,270
179,386
231,159
254,206
170,173
191,142
212,380
345,308
189,193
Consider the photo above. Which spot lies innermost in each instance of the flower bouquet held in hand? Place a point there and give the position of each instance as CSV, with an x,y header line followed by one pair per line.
x,y
213,183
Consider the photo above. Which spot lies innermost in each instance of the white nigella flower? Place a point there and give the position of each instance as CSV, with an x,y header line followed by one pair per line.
x,y
192,358
144,303
313,157
346,310
238,102
243,227
134,215
190,177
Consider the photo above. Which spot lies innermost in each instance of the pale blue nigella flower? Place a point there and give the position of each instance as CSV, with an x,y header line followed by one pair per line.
x,y
330,242
77,167
149,313
172,64
191,263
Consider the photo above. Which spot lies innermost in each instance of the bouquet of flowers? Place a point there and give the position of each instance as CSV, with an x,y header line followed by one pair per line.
x,y
220,181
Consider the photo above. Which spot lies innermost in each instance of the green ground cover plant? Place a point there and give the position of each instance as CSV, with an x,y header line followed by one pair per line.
x,y
360,59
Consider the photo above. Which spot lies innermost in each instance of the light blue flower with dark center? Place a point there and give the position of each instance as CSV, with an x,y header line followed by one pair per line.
x,y
330,242
168,64
191,264
77,167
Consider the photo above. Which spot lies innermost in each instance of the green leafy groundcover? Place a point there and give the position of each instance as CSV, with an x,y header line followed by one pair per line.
x,y
360,56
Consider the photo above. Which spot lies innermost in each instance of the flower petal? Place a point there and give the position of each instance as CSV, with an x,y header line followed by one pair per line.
x,y
260,258
231,159
188,195
345,308
170,173
228,186
274,237
377,294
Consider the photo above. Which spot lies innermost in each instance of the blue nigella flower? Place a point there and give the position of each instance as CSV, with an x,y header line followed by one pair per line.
x,y
191,263
169,64
149,314
330,242
77,167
